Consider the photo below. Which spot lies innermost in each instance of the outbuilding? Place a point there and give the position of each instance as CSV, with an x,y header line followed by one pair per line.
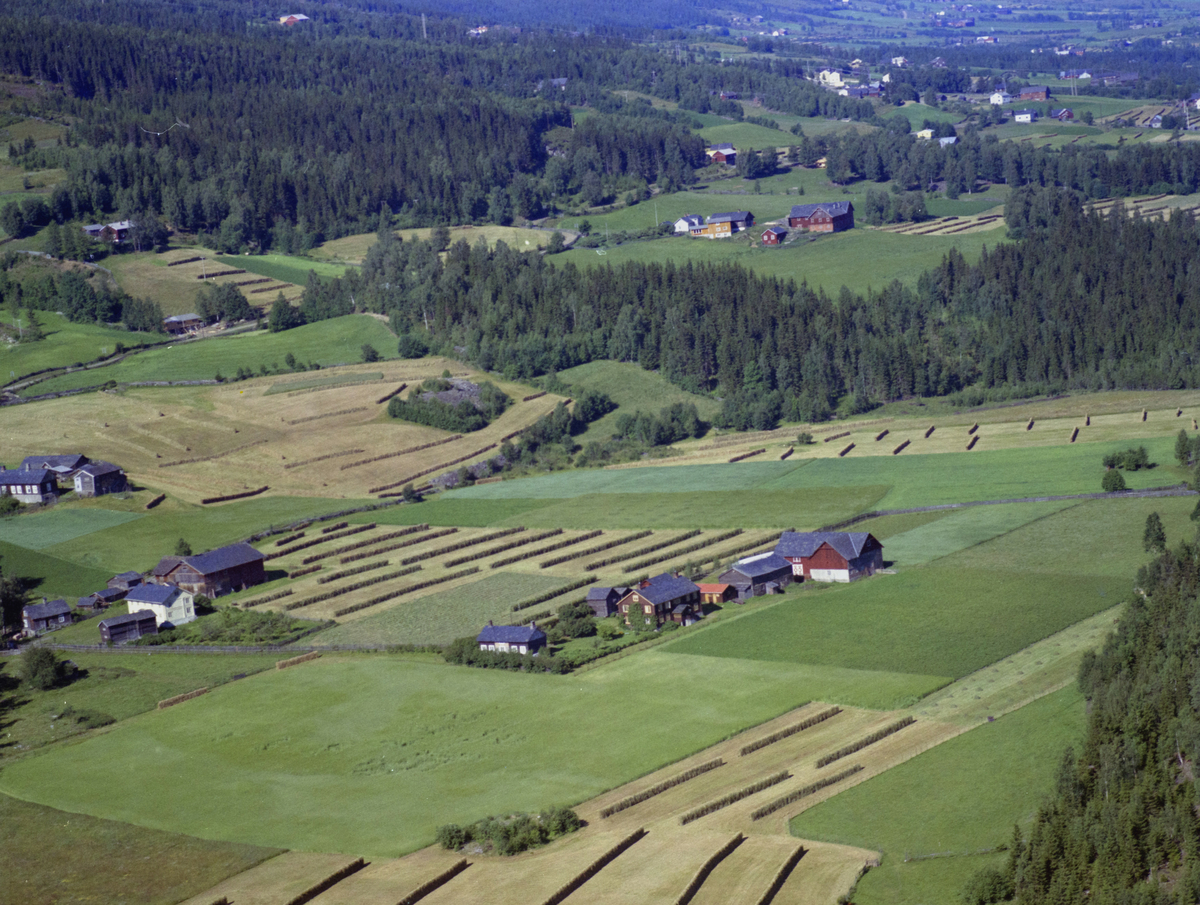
x,y
46,616
774,235
831,555
221,571
512,639
754,576
603,601
127,627
100,478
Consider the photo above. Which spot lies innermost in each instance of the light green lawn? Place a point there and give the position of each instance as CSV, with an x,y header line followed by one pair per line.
x,y
961,797
962,529
286,268
65,344
331,342
40,530
747,135
50,576
370,754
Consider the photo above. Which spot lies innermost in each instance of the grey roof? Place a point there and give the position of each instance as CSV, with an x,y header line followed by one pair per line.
x,y
96,469
165,565
665,587
182,318
763,564
599,593
778,230
126,618
152,593
110,594
47,610
691,219
510,634
730,216
222,558
724,146
805,543
69,462
1025,113
127,576
833,208
21,476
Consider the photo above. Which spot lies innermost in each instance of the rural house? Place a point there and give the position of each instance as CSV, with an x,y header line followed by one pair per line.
x,y
62,466
217,572
100,478
45,616
177,324
1035,93
663,598
830,555
737,220
127,627
293,19
512,639
717,593
125,580
116,233
754,576
721,230
1025,116
773,235
1063,114
823,217
603,601
687,223
722,153
100,600
1000,98
29,486
170,605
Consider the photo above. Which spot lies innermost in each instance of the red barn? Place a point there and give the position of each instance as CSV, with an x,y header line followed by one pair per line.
x,y
830,555
824,217
773,235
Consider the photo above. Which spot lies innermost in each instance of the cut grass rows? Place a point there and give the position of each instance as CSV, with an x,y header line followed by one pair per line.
x,y
659,788
733,797
461,545
550,548
357,586
690,548
632,554
503,548
397,546
345,611
789,731
871,739
599,548
804,792
369,542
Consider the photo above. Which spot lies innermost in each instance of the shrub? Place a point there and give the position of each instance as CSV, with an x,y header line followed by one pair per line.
x,y
986,886
452,837
41,669
804,438
369,353
1113,481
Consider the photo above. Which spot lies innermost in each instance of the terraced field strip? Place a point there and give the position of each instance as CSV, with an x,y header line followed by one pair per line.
x,y
404,881
282,879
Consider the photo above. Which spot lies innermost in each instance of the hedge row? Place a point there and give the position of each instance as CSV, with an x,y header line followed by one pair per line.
x,y
846,450
154,502
331,528
369,542
621,557
599,548
1074,434
863,742
789,731
307,570
219,273
462,544
328,883
405,590
733,797
396,392
404,543
234,496
336,455
402,452
347,573
196,459
787,453
321,540
772,807
883,433
753,452
929,433
595,867
359,585
1029,426
180,698
550,595
436,883
252,282
781,876
661,787
974,440
707,868
286,592
421,474
492,551
974,427
530,554
296,661
690,548
185,261
899,449
350,411
277,286
290,539
533,396
837,436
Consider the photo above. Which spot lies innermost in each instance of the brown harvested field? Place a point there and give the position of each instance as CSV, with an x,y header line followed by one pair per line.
x,y
387,882
275,881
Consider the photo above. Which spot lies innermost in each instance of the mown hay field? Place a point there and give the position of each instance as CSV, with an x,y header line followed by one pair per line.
x,y
353,249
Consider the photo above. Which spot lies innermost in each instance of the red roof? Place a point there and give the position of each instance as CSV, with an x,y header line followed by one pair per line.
x,y
713,588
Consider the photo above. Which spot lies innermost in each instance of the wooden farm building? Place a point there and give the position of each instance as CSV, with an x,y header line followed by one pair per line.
x,y
722,153
177,324
29,486
1034,93
773,235
663,598
45,616
217,572
717,593
125,580
100,478
823,217
603,601
754,576
63,466
512,639
128,627
171,605
722,230
830,555
101,600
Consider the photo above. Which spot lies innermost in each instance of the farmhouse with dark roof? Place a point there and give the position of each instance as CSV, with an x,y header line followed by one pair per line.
x,y
663,598
603,601
100,600
171,605
45,616
830,555
62,465
29,486
217,572
754,576
823,217
512,639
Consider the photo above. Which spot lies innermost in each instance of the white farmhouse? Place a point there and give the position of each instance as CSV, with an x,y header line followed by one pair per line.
x,y
170,604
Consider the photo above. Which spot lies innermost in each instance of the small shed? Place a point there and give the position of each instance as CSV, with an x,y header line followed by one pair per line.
x,y
773,235
754,576
100,478
603,601
1025,116
125,580
182,323
722,153
100,600
512,639
46,616
128,627
717,593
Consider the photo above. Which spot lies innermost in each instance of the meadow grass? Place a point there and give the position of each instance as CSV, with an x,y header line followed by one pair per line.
x,y
633,389
440,618
39,530
313,383
860,259
916,113
285,268
52,856
470,513
50,576
959,798
331,342
747,135
354,248
962,529
65,344
888,526
369,754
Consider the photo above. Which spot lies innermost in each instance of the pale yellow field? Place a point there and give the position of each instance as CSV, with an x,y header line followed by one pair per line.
x,y
276,880
352,249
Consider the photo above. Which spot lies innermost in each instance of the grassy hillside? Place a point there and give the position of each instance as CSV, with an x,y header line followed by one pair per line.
x,y
65,344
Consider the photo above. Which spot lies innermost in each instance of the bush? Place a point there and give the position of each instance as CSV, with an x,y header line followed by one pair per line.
x,y
986,886
369,354
804,438
1113,481
452,837
40,668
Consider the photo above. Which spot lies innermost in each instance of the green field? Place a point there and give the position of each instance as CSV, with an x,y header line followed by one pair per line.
x,y
370,754
65,344
40,530
50,576
106,861
463,513
957,800
440,618
747,135
285,268
321,383
633,389
962,529
331,342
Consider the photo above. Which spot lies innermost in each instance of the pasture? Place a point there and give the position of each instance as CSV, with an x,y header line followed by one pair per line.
x,y
353,249
50,576
65,344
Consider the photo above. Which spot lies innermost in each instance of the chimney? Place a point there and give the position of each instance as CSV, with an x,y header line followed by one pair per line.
x,y
532,624
644,583
490,622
